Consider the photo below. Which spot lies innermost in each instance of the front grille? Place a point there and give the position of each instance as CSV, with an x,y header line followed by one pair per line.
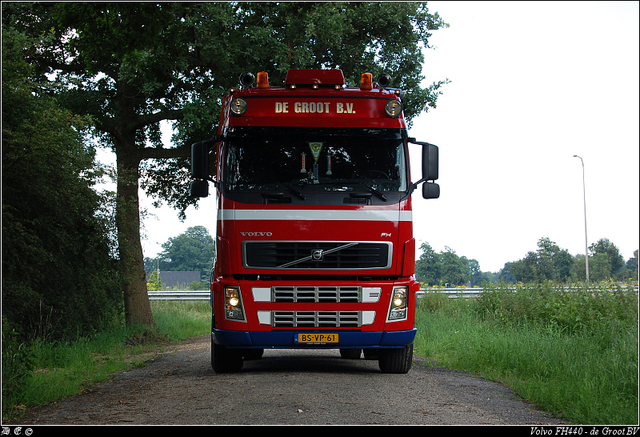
x,y
318,255
316,319
315,294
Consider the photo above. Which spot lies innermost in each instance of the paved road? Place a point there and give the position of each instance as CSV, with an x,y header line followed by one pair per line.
x,y
289,388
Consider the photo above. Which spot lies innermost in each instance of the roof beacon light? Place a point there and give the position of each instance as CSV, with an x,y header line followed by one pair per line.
x,y
263,79
366,82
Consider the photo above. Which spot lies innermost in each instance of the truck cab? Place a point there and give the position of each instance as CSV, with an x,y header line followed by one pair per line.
x,y
314,236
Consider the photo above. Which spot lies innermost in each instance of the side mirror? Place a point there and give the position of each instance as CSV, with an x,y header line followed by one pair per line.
x,y
200,168
430,158
199,188
430,165
200,159
430,190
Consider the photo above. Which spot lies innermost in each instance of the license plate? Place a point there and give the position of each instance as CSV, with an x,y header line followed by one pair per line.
x,y
316,338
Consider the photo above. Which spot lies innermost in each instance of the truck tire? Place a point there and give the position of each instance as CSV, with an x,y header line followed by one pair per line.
x,y
225,360
396,360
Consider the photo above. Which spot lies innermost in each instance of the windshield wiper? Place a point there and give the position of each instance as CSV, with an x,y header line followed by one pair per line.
x,y
294,191
374,191
368,187
278,195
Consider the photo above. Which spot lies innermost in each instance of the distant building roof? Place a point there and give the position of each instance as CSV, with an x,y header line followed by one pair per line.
x,y
177,279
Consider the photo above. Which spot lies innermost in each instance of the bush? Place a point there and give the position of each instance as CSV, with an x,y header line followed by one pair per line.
x,y
17,365
59,278
576,309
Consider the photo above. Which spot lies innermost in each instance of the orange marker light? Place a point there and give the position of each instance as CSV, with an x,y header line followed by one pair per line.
x,y
366,82
263,79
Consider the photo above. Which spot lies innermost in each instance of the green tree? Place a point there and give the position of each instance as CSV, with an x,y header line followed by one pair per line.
x,y
59,279
599,267
192,250
445,267
524,270
548,262
472,266
578,269
454,270
553,262
562,263
630,269
155,282
131,66
505,274
611,253
428,266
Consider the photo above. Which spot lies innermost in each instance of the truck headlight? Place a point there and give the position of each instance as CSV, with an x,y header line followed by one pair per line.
x,y
233,309
393,108
239,106
398,306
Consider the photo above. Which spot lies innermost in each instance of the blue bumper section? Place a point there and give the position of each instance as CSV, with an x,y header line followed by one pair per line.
x,y
285,339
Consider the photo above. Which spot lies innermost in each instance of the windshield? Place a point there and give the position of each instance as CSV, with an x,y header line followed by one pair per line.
x,y
306,165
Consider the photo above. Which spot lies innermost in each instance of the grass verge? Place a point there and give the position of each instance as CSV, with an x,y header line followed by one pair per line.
x,y
57,369
572,354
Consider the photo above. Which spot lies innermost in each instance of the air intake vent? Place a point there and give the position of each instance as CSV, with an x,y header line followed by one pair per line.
x,y
316,255
316,294
316,319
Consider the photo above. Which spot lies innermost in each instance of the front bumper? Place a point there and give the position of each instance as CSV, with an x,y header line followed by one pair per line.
x,y
285,339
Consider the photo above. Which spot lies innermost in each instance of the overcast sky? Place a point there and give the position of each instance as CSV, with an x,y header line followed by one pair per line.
x,y
532,84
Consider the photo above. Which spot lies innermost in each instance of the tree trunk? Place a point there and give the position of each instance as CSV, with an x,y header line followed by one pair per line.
x,y
136,300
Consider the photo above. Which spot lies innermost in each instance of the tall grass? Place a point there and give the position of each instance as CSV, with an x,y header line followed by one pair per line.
x,y
182,320
573,353
44,371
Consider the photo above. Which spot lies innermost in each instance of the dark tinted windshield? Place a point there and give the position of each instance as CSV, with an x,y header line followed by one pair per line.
x,y
310,164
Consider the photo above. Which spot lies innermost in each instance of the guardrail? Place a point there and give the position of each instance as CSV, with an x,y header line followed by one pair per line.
x,y
450,292
180,295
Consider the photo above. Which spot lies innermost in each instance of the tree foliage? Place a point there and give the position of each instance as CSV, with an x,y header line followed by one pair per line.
x,y
548,263
446,268
192,250
59,279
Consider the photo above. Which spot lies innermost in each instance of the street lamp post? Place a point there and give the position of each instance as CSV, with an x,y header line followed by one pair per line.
x,y
584,195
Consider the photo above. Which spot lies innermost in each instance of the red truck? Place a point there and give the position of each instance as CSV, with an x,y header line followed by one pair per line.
x,y
314,238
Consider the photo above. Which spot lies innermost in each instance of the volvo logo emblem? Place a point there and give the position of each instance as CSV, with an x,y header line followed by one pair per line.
x,y
317,254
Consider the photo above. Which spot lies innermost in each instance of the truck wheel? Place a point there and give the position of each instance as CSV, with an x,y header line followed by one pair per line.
x,y
225,360
351,354
396,360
